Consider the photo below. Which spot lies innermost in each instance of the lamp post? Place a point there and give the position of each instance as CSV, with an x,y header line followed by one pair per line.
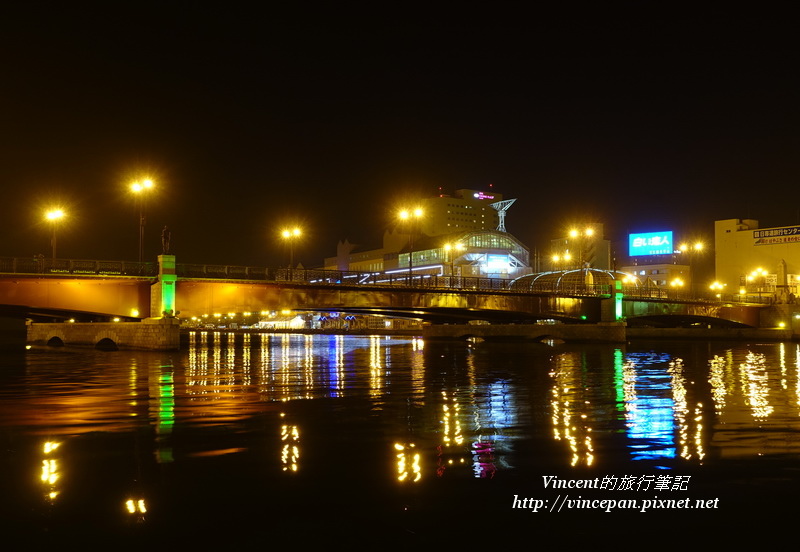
x,y
409,216
582,237
692,251
561,262
758,278
54,215
141,189
449,249
290,235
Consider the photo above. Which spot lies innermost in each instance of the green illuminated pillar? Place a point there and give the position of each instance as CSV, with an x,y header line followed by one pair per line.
x,y
162,296
617,299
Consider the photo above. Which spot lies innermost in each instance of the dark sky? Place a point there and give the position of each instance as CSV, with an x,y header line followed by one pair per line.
x,y
248,120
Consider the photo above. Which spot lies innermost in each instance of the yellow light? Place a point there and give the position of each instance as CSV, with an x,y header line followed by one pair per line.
x,y
138,187
116,319
406,214
135,312
54,214
781,324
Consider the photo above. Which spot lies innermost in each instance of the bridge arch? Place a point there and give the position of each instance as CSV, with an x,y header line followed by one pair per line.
x,y
55,341
106,344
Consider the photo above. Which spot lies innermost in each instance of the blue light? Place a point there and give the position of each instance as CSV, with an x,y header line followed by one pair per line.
x,y
650,243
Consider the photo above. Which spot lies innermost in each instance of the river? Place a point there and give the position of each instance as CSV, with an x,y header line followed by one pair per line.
x,y
387,440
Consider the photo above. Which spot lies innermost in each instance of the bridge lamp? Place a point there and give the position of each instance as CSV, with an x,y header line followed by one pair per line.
x,y
409,216
141,188
54,216
290,235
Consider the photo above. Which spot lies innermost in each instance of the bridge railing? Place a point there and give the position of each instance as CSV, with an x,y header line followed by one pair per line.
x,y
75,267
392,279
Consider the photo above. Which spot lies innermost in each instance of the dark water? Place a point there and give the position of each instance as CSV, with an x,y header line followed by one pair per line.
x,y
385,441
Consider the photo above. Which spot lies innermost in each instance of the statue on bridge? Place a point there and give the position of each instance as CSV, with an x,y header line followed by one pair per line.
x,y
165,237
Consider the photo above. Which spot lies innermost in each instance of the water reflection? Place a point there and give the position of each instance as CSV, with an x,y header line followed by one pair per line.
x,y
267,410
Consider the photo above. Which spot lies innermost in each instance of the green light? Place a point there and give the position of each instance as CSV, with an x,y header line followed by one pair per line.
x,y
618,299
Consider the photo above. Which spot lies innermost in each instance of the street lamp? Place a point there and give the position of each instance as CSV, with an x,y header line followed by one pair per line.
x,y
409,216
141,189
561,261
449,248
54,215
692,250
290,235
586,235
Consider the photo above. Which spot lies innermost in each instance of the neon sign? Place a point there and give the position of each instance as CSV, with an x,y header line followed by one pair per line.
x,y
650,243
481,195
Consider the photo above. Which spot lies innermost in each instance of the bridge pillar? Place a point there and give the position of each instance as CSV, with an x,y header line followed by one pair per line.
x,y
611,308
162,293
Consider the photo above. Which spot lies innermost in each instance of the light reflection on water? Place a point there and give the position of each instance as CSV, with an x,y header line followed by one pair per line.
x,y
380,415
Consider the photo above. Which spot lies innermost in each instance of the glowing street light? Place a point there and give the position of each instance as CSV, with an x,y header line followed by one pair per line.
x,y
582,236
290,235
409,216
141,189
562,260
692,250
449,249
717,287
54,216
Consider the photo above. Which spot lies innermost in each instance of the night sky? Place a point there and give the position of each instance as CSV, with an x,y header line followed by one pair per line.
x,y
331,119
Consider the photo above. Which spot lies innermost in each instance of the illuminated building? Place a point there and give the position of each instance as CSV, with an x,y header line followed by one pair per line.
x,y
485,254
462,235
464,210
656,260
754,261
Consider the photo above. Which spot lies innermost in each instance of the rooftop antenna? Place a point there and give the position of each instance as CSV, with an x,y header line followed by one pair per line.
x,y
502,207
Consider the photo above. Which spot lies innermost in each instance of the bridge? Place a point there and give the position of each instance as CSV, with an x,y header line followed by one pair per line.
x,y
91,290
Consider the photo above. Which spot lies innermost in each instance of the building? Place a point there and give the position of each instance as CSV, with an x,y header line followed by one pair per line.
x,y
460,235
484,254
753,261
464,210
654,259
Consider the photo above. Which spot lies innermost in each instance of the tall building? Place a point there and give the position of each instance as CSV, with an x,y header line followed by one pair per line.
x,y
464,210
